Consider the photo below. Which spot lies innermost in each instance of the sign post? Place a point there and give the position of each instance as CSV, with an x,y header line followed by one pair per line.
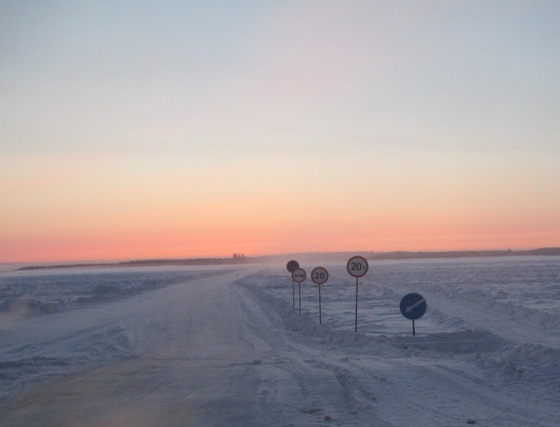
x,y
299,276
413,306
291,267
357,267
319,275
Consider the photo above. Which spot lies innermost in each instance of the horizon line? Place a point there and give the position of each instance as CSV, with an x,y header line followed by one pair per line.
x,y
237,259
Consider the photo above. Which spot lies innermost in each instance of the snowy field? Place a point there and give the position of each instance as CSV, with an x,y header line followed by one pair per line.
x,y
223,346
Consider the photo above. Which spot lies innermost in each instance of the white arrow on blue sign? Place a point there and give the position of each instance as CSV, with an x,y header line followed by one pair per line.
x,y
413,306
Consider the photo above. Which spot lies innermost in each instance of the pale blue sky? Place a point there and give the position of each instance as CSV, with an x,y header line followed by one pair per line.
x,y
109,75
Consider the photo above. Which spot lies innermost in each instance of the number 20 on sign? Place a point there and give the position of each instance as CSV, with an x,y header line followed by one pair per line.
x,y
357,267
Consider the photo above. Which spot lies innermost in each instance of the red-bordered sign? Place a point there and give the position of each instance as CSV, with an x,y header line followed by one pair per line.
x,y
357,266
299,275
319,275
292,266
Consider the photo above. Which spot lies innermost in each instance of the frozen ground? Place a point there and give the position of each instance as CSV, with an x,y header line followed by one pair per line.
x,y
223,347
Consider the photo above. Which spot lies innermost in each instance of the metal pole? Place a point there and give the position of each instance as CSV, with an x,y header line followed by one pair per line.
x,y
294,294
413,328
299,290
320,319
356,319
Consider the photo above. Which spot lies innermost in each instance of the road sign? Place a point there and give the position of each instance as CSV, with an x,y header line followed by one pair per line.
x,y
292,266
319,275
413,306
299,275
357,266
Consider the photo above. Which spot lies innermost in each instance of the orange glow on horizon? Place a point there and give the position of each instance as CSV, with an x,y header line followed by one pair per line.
x,y
224,242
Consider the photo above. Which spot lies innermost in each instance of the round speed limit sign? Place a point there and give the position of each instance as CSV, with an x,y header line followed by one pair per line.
x,y
357,266
319,275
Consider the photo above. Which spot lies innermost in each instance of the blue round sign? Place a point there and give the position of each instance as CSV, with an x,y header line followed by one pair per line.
x,y
413,306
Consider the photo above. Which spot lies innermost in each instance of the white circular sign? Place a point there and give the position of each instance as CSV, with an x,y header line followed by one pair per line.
x,y
319,275
357,266
299,275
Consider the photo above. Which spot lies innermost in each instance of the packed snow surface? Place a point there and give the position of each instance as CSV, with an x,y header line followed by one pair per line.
x,y
225,346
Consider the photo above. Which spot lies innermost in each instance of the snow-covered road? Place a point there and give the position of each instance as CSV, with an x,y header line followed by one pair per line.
x,y
192,352
222,351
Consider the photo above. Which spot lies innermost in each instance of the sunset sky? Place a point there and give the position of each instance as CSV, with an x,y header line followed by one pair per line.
x,y
167,129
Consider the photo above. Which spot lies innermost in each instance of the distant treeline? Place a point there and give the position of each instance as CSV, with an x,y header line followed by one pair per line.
x,y
465,254
147,263
312,256
396,255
